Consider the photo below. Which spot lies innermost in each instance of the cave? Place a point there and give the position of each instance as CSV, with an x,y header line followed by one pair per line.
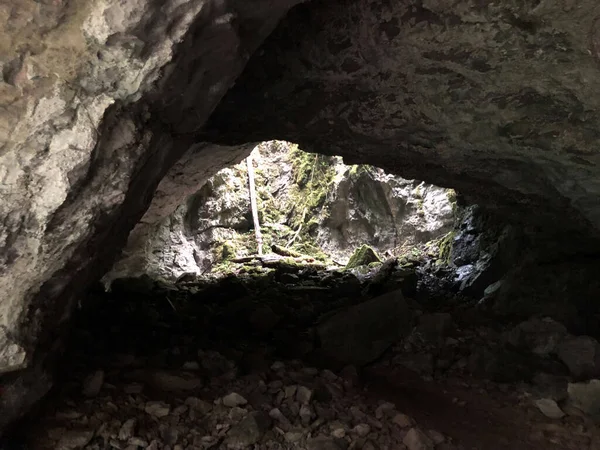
x,y
116,112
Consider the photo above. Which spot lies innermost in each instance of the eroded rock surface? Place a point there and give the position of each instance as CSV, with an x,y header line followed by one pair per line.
x,y
498,100
99,100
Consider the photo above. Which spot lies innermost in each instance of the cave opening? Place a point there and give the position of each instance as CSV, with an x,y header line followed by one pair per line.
x,y
485,338
359,337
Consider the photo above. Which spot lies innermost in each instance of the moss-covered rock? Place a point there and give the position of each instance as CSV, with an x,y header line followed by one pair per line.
x,y
362,256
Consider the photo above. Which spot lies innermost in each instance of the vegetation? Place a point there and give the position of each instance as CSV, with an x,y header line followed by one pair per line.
x,y
363,256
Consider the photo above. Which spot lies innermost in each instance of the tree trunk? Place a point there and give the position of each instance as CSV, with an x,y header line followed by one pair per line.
x,y
253,204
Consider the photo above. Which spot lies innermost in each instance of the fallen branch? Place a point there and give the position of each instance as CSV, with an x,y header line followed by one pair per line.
x,y
283,251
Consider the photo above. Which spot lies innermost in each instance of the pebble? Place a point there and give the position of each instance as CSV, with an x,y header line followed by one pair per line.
x,y
304,395
157,409
293,436
93,384
127,429
73,439
234,399
415,439
362,429
549,408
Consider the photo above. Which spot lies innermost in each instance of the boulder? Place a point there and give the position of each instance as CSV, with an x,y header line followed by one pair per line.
x,y
585,396
539,336
360,334
581,354
362,256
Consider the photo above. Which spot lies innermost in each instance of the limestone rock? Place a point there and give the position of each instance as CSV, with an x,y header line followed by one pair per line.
x,y
361,333
234,399
93,384
581,354
415,439
585,396
540,336
549,408
157,409
74,439
248,432
362,256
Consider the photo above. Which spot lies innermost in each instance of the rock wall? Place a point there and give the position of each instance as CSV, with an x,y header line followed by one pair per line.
x,y
356,205
498,100
99,98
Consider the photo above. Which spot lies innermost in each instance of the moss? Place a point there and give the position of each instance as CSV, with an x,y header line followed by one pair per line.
x,y
362,256
228,250
314,175
445,248
451,194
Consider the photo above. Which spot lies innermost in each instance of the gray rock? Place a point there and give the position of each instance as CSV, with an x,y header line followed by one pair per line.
x,y
361,333
549,408
93,384
303,395
585,396
157,409
415,439
127,429
233,399
581,354
171,382
551,386
73,439
324,443
293,436
540,336
248,432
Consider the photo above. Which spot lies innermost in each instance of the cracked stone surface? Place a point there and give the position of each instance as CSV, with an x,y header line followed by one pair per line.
x,y
498,100
99,100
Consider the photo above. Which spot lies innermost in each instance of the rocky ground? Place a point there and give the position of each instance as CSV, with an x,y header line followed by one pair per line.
x,y
308,359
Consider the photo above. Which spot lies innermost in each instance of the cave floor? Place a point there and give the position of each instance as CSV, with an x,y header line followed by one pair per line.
x,y
230,364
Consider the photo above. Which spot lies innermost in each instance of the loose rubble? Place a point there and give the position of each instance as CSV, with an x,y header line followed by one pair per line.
x,y
187,374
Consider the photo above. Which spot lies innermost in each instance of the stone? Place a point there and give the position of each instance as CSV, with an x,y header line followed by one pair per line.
x,y
585,396
363,256
293,436
199,405
93,384
304,395
415,439
549,408
306,414
171,382
362,429
581,354
157,409
234,399
385,409
127,429
360,334
403,421
540,336
323,443
73,439
437,437
247,432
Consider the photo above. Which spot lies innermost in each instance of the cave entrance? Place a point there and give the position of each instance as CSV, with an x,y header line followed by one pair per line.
x,y
308,207
358,325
